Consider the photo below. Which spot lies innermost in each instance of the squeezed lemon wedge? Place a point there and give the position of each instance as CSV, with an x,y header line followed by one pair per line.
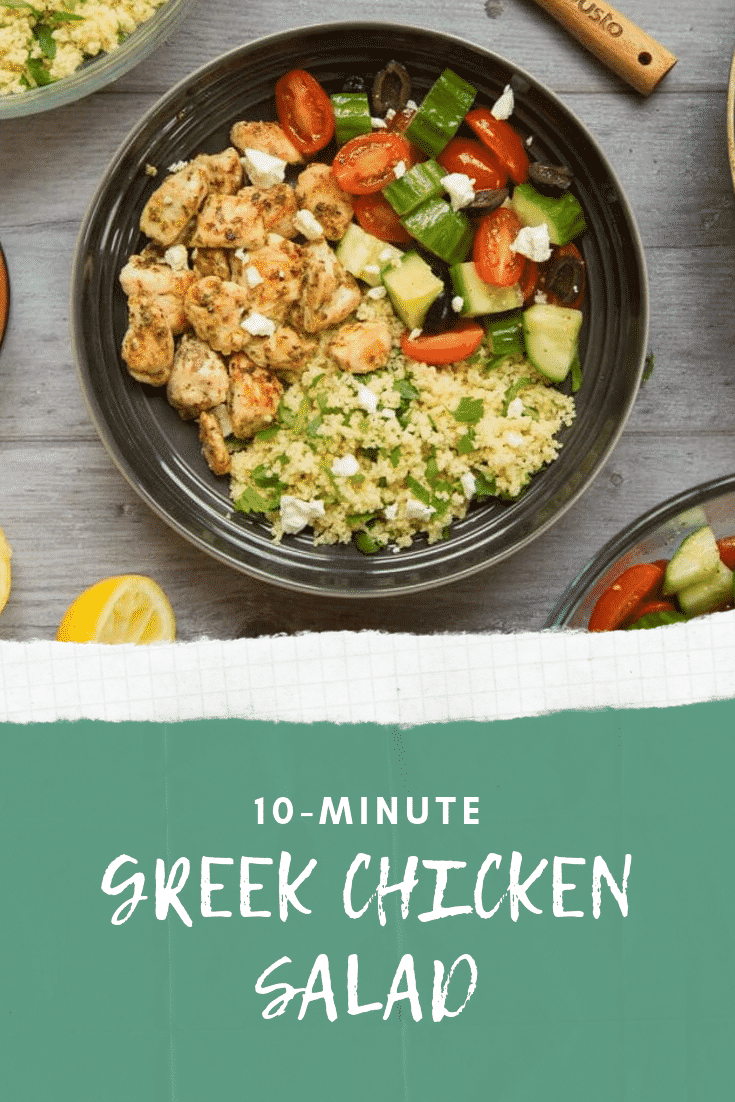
x,y
129,608
5,554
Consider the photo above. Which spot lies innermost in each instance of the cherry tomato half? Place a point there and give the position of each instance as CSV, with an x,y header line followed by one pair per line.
x,y
365,164
726,547
500,137
304,111
476,161
376,216
494,259
529,280
444,348
621,601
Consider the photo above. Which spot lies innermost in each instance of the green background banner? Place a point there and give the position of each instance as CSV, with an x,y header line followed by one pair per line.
x,y
584,1009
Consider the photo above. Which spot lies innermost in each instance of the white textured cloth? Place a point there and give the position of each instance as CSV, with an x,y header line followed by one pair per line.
x,y
347,677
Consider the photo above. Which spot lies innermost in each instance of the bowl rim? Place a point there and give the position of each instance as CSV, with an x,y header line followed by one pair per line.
x,y
643,525
103,69
261,573
730,120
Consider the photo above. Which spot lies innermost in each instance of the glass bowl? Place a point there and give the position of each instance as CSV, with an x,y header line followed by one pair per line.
x,y
159,453
99,71
655,535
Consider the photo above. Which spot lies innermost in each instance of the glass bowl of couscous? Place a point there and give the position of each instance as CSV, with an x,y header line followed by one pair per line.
x,y
58,51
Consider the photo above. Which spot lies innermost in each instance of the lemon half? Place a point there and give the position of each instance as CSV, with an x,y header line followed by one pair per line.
x,y
130,608
5,553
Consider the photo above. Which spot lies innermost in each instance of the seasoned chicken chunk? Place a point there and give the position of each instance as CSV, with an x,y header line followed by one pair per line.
x,y
285,352
278,207
215,309
209,262
230,222
253,397
198,379
273,274
361,347
318,192
268,137
172,206
148,275
214,449
148,344
225,170
329,294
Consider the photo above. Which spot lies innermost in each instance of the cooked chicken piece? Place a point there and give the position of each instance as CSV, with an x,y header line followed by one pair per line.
x,y
318,192
278,207
329,294
285,352
230,222
361,347
225,170
198,379
268,137
171,207
145,275
209,262
148,344
213,444
215,309
273,274
253,397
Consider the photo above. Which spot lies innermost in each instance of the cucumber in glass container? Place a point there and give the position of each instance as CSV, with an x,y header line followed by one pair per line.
x,y
696,560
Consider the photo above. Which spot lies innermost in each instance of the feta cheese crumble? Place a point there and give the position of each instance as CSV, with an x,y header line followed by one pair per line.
x,y
253,276
399,169
469,484
307,224
377,292
296,514
257,325
391,511
503,107
416,510
459,187
533,242
514,439
263,169
367,398
242,256
415,334
346,466
379,124
457,304
515,408
177,258
177,166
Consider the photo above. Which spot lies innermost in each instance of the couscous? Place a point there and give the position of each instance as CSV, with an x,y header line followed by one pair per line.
x,y
44,42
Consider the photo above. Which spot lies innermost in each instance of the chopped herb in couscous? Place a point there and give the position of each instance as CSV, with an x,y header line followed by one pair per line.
x,y
43,42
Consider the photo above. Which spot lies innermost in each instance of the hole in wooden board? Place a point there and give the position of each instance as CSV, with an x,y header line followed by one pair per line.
x,y
645,58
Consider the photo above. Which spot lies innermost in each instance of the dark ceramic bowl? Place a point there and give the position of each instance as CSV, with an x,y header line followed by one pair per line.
x,y
159,454
655,535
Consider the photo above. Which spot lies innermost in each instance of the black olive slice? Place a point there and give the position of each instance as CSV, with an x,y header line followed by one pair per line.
x,y
391,88
565,278
355,83
440,315
552,177
488,200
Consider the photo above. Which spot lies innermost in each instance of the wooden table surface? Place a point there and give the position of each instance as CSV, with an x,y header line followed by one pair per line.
x,y
70,516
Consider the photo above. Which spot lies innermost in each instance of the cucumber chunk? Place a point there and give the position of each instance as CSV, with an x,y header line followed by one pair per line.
x,y
563,215
364,255
551,334
504,336
412,287
480,297
351,115
445,232
696,560
441,113
420,183
706,596
657,620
